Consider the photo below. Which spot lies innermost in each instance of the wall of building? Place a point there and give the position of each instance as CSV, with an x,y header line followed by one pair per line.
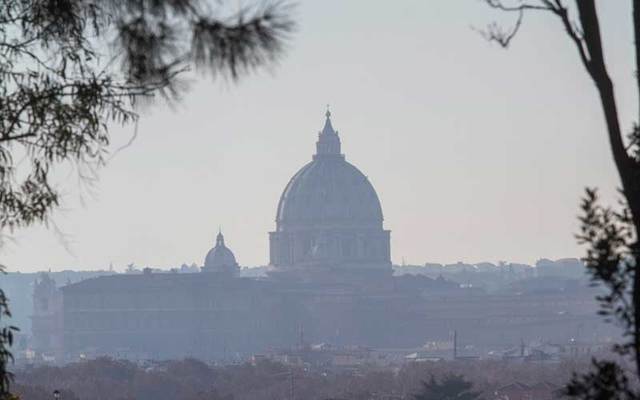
x,y
177,315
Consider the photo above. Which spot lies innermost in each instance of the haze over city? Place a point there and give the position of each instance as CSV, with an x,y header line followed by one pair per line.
x,y
477,153
363,200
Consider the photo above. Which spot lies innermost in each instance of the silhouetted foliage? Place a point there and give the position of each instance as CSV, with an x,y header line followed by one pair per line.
x,y
451,387
6,339
610,237
606,381
613,254
70,68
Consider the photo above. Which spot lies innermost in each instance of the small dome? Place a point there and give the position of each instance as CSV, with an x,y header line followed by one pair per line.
x,y
220,258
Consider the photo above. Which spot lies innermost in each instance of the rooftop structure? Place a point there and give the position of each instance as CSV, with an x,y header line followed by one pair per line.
x,y
220,259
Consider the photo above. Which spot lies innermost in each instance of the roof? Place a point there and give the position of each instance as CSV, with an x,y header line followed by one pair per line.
x,y
220,258
329,190
119,283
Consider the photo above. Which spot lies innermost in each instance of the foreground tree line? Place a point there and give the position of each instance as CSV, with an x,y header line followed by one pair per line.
x,y
192,379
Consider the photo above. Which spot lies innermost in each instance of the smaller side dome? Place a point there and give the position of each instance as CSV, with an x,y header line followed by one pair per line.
x,y
220,258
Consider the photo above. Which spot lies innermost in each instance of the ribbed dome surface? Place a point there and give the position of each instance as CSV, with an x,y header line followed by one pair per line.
x,y
326,191
219,257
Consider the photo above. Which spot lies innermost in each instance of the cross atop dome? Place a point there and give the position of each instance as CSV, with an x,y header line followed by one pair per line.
x,y
328,128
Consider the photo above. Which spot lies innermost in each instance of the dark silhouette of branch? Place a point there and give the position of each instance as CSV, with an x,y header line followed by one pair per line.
x,y
494,33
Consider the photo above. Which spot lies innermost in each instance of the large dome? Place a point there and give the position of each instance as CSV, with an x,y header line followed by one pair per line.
x,y
329,190
329,216
326,191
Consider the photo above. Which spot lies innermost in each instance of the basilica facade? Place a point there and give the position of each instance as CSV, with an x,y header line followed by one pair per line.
x,y
330,276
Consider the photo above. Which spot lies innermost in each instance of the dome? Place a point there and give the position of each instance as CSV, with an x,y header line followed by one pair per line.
x,y
220,258
329,190
329,217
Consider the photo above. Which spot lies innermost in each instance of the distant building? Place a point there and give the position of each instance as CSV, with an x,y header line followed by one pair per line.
x,y
324,355
523,391
46,320
329,274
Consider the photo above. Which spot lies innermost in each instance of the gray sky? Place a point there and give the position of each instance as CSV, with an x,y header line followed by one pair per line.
x,y
477,154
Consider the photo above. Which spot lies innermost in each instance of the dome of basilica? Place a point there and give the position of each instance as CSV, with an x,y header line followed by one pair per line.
x,y
329,190
329,216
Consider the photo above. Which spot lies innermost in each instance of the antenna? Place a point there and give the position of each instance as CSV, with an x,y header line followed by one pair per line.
x,y
301,336
293,385
455,344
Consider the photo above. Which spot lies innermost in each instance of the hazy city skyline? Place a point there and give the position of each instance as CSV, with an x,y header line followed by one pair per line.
x,y
437,126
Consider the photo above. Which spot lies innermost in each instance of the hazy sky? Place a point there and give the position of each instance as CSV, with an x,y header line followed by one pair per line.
x,y
477,154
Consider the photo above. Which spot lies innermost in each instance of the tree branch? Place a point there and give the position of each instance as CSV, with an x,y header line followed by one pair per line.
x,y
561,11
636,23
16,137
493,32
499,5
598,70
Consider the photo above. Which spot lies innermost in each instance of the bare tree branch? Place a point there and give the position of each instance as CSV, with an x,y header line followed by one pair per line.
x,y
500,5
636,23
495,33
